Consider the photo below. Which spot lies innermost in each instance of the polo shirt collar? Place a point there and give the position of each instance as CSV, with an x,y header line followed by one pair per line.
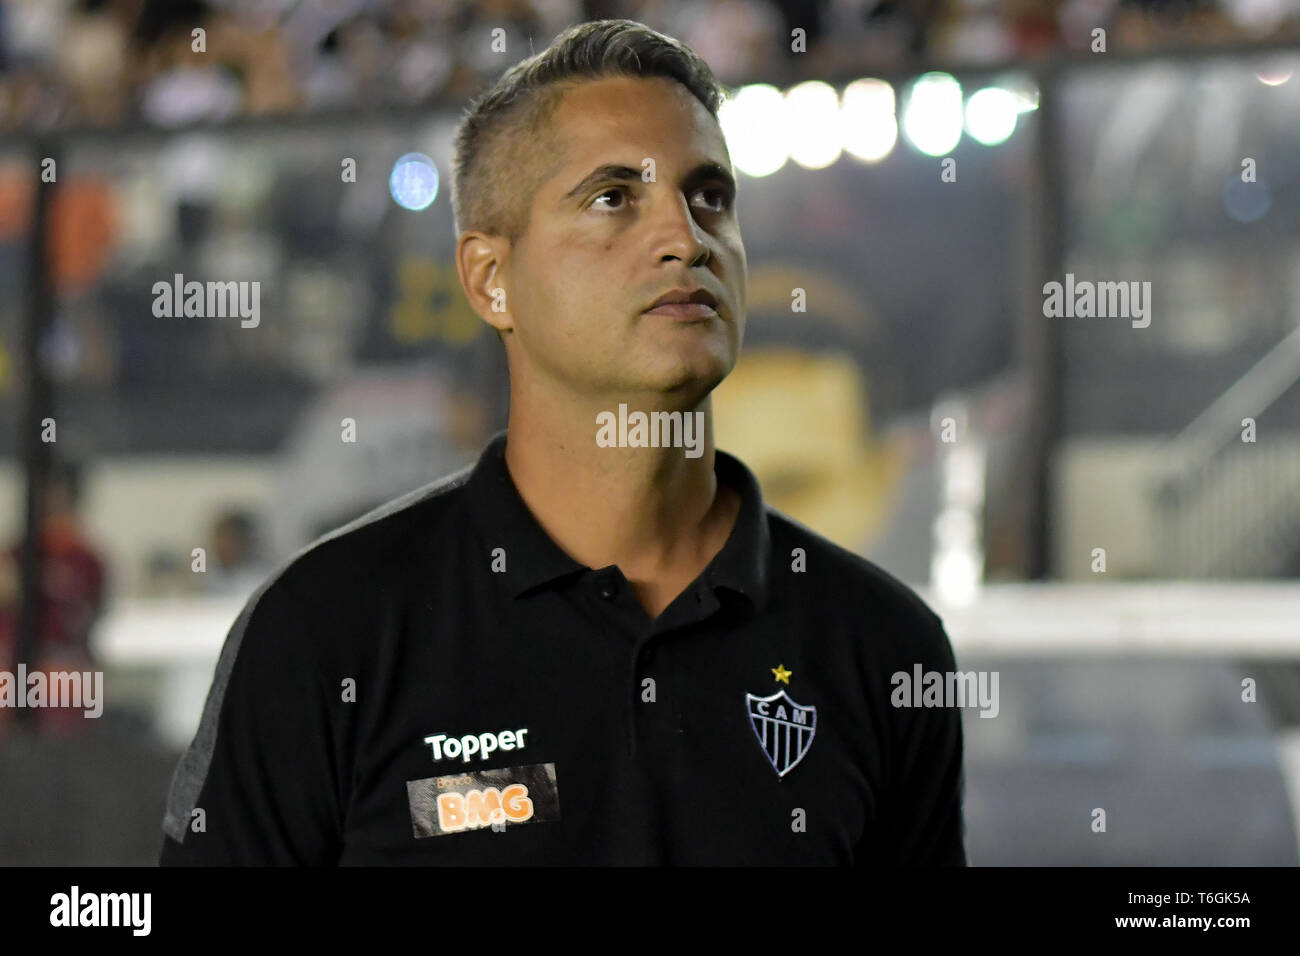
x,y
533,559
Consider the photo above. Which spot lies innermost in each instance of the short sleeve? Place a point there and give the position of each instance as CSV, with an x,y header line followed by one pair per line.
x,y
923,822
258,784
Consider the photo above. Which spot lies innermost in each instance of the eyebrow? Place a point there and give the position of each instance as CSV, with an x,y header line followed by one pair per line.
x,y
704,172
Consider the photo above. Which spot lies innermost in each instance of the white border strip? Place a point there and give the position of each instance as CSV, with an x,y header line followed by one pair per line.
x,y
1258,619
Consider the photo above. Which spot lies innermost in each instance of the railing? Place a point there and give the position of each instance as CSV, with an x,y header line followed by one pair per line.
x,y
1229,508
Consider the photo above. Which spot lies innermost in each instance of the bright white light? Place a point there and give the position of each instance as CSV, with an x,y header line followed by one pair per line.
x,y
932,116
1026,102
753,123
991,115
1275,73
955,577
867,119
1021,86
813,124
957,558
963,475
413,182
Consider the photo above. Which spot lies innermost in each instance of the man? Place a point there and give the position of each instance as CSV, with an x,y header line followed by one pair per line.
x,y
73,587
590,647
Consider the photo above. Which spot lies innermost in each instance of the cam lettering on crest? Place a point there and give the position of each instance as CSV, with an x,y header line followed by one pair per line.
x,y
784,728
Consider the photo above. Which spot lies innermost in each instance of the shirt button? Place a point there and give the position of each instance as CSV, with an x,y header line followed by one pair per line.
x,y
607,591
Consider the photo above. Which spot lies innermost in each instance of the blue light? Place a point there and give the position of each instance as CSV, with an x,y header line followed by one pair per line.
x,y
414,181
1246,202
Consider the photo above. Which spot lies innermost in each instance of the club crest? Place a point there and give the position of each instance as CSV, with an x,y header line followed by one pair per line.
x,y
784,728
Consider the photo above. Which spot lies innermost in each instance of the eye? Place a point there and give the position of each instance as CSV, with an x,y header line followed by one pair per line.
x,y
723,197
612,191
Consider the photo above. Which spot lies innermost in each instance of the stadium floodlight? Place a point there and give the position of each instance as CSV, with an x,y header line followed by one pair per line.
x,y
1022,87
991,115
413,182
753,123
870,128
813,124
932,114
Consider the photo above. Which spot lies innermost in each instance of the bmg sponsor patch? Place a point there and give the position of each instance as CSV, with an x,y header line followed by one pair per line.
x,y
455,803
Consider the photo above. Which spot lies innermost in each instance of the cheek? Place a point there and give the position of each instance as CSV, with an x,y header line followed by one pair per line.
x,y
737,269
586,275
539,291
576,286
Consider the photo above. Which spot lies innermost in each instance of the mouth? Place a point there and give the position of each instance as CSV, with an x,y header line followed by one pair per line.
x,y
691,305
686,311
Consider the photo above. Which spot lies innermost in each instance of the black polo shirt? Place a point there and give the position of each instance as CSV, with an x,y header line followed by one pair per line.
x,y
439,683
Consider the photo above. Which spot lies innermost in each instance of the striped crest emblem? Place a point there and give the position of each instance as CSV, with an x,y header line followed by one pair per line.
x,y
784,728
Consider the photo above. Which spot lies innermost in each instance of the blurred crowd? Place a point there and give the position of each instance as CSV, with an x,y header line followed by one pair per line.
x,y
103,62
75,581
71,598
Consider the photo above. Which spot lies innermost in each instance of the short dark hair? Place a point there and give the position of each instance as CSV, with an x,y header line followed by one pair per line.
x,y
497,137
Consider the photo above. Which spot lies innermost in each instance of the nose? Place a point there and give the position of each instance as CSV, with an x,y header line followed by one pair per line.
x,y
681,236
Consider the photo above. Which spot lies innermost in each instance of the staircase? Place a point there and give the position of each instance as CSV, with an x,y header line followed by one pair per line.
x,y
1228,508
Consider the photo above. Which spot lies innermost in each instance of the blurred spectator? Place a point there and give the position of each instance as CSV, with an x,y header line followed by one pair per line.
x,y
104,61
91,57
235,567
740,39
73,579
177,84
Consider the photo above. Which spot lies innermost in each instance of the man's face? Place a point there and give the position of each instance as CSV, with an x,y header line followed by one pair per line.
x,y
599,250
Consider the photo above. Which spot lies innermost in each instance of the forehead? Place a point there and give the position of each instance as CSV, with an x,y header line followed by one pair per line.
x,y
629,118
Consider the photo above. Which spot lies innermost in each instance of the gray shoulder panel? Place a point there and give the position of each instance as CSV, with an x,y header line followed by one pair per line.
x,y
190,774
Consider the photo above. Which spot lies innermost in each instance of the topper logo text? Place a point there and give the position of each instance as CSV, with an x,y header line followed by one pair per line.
x,y
449,748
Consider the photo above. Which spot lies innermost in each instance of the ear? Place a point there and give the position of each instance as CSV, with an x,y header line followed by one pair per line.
x,y
479,259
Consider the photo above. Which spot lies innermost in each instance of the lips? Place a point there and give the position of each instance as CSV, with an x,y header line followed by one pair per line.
x,y
684,310
697,303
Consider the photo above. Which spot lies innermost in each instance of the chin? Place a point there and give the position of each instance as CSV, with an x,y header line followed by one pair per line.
x,y
700,377
699,366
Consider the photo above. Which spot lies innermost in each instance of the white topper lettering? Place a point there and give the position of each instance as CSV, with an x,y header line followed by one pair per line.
x,y
482,744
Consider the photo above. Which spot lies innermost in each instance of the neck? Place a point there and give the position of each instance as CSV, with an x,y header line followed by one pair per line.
x,y
654,512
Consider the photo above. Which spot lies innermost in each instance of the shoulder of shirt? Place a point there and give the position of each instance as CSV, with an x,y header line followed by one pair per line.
x,y
855,584
339,558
